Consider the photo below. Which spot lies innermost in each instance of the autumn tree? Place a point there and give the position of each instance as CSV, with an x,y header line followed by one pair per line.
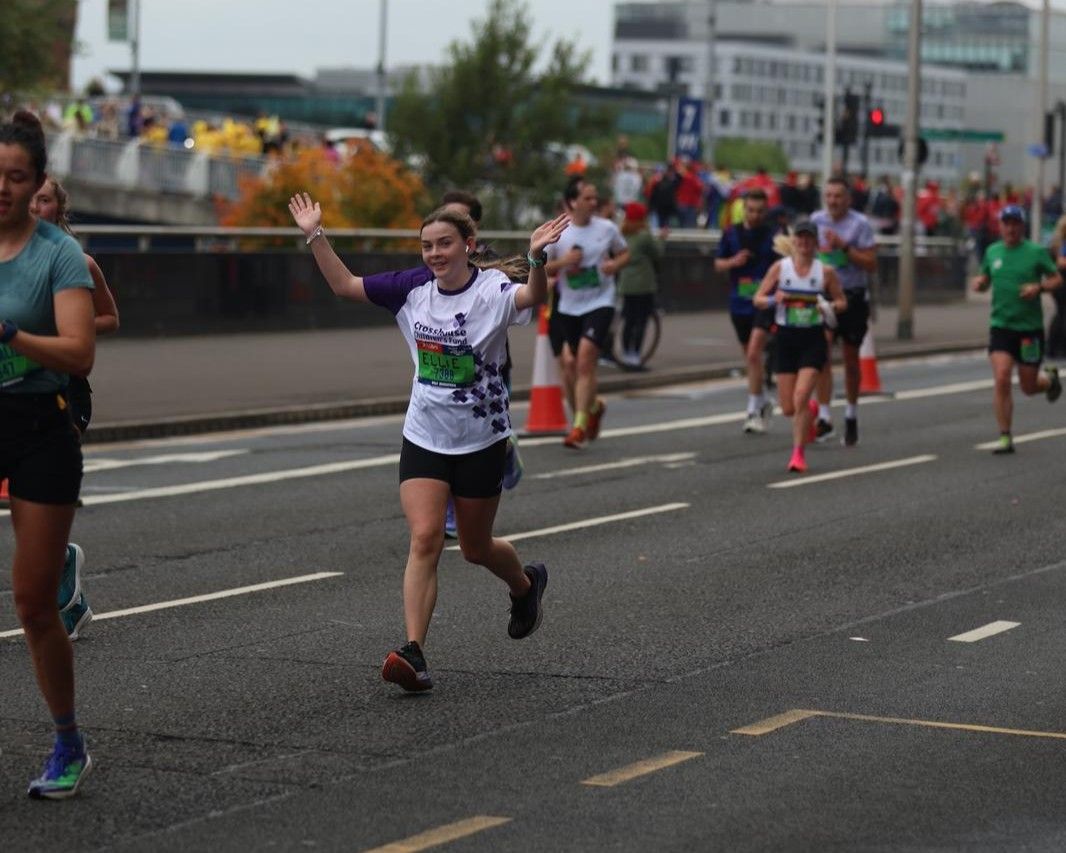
x,y
37,38
488,118
368,189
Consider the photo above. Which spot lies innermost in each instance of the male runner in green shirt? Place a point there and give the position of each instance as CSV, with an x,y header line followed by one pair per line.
x,y
1018,271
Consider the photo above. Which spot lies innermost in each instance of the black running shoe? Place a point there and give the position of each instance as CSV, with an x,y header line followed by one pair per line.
x,y
823,430
851,432
1004,445
527,611
407,667
1054,389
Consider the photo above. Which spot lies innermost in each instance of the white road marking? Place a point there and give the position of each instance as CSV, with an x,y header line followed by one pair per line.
x,y
93,464
589,522
1022,439
631,462
197,599
941,390
859,639
989,630
266,478
852,472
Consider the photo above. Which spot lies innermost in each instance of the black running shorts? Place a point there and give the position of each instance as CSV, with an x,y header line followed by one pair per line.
x,y
470,475
743,324
40,450
800,348
1025,347
852,324
595,325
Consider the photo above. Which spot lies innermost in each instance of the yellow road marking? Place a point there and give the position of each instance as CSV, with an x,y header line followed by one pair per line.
x,y
442,834
772,724
641,768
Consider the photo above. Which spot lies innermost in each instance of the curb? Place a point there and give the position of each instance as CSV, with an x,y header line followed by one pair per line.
x,y
107,433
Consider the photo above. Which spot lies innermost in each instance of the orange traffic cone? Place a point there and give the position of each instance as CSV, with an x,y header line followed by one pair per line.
x,y
869,378
5,498
546,413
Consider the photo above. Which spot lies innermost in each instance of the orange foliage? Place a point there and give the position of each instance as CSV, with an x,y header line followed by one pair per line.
x,y
367,190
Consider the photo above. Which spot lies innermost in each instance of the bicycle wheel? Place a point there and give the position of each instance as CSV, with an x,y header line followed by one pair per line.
x,y
652,335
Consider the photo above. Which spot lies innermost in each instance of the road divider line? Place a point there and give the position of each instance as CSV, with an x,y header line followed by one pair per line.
x,y
640,768
989,630
589,522
93,464
773,724
198,599
630,462
1022,439
442,834
852,472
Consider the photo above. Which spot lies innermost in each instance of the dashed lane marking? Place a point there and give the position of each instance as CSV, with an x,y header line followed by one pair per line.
x,y
1022,439
589,522
780,721
640,768
985,631
442,834
631,462
852,472
95,463
198,599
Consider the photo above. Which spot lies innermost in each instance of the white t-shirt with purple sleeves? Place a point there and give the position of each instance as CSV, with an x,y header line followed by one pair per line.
x,y
458,342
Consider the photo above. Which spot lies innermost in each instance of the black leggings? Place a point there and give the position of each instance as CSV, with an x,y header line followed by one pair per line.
x,y
636,309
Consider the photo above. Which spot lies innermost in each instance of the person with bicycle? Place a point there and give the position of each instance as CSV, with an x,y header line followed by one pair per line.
x,y
637,282
586,258
746,252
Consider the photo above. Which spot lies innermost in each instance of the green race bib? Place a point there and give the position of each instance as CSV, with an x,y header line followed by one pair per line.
x,y
445,365
584,277
14,367
837,259
802,312
746,288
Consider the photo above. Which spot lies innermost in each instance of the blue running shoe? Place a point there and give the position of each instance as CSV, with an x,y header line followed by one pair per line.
x,y
451,530
70,580
63,773
77,618
527,611
513,468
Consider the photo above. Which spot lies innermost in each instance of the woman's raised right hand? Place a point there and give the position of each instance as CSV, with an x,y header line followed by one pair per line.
x,y
307,213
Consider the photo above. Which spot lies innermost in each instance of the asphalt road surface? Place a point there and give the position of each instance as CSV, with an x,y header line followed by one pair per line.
x,y
732,658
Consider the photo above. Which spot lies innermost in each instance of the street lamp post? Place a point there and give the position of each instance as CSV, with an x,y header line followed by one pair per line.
x,y
830,88
382,34
912,130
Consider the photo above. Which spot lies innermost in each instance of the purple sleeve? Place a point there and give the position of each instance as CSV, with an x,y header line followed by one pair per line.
x,y
390,289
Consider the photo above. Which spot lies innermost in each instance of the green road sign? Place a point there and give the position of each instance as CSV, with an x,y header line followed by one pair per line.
x,y
944,134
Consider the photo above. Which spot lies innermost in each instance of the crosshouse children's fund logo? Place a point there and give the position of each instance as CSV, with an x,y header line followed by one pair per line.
x,y
445,359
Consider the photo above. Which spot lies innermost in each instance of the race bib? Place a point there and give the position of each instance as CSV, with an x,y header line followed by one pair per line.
x,y
584,277
14,367
1030,350
837,258
802,312
746,288
445,365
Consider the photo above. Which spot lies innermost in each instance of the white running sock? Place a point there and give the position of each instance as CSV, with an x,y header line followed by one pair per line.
x,y
823,412
753,404
851,411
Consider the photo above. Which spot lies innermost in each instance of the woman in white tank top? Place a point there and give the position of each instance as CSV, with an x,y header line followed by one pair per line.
x,y
796,287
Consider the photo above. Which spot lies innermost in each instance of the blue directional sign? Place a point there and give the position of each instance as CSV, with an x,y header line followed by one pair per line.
x,y
688,133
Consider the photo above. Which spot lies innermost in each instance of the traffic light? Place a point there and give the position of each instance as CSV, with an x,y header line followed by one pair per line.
x,y
848,128
877,126
819,128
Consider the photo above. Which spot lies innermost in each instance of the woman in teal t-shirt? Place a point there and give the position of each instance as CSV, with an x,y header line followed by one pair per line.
x,y
1018,271
46,333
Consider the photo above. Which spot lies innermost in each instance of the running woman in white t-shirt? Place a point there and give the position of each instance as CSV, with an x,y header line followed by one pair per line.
x,y
796,287
457,424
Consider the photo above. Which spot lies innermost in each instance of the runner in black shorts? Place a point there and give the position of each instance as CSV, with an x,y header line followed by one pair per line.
x,y
45,335
1018,271
796,287
746,252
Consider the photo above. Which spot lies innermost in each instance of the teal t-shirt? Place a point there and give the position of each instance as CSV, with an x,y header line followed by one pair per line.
x,y
50,261
1008,269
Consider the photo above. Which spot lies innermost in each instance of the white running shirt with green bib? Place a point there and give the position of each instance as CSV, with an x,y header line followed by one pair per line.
x,y
797,296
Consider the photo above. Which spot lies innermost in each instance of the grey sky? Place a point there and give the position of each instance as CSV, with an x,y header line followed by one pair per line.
x,y
284,36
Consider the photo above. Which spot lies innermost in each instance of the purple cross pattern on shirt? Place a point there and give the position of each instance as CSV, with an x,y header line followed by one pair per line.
x,y
479,412
479,393
499,425
460,320
492,369
496,407
459,395
495,388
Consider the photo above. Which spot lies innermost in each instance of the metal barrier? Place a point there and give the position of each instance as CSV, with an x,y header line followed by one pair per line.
x,y
137,165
